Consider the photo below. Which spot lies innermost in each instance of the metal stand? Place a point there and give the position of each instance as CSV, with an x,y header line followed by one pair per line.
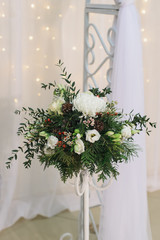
x,y
82,183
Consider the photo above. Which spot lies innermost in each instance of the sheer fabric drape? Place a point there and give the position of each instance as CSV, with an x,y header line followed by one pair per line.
x,y
125,212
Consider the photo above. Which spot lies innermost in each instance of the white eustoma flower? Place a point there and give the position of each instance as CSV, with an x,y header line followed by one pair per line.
x,y
52,141
92,136
56,105
126,131
89,104
79,146
48,151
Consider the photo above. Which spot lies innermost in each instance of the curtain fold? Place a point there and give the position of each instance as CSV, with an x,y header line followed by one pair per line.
x,y
125,212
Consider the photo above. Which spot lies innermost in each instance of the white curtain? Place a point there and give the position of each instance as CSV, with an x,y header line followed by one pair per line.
x,y
125,211
33,36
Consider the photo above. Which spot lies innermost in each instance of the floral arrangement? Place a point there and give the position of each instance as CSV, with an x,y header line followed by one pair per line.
x,y
79,131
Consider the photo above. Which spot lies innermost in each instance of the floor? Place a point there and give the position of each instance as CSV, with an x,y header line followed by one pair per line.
x,y
42,228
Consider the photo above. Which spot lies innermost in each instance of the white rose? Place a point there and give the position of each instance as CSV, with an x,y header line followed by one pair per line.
x,y
56,105
52,141
126,132
89,104
79,146
92,136
48,151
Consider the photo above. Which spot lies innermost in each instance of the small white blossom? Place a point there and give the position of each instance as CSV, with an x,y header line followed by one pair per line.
x,y
52,141
56,105
126,131
92,136
48,151
79,146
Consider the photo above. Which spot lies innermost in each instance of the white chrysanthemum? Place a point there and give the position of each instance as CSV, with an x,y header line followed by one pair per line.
x,y
89,104
92,136
126,131
56,105
52,141
79,146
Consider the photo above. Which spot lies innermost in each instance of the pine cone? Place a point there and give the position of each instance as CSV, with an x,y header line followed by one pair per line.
x,y
99,125
67,107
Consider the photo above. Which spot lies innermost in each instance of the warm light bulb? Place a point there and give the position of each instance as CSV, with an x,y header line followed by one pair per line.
x,y
145,40
38,17
48,7
32,5
0,37
46,67
38,94
145,0
143,11
37,79
71,6
16,100
148,80
3,15
74,48
47,28
37,49
3,49
53,38
60,15
3,3
142,30
30,37
26,67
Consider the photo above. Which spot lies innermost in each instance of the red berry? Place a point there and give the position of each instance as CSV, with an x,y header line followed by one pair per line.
x,y
45,120
64,146
116,113
108,113
49,119
59,133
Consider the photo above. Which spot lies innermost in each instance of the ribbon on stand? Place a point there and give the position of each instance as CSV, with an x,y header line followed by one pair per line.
x,y
82,183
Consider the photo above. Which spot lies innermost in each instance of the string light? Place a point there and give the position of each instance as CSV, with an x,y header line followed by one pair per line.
x,y
30,37
3,15
37,79
38,94
142,30
48,7
145,0
1,37
32,5
3,3
71,6
148,80
47,28
26,67
145,40
37,49
53,38
3,49
60,15
74,48
143,11
16,100
38,17
46,67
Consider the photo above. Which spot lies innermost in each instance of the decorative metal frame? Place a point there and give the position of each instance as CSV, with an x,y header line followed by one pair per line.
x,y
83,180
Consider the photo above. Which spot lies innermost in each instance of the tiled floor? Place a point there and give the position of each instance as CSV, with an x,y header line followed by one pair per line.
x,y
42,228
